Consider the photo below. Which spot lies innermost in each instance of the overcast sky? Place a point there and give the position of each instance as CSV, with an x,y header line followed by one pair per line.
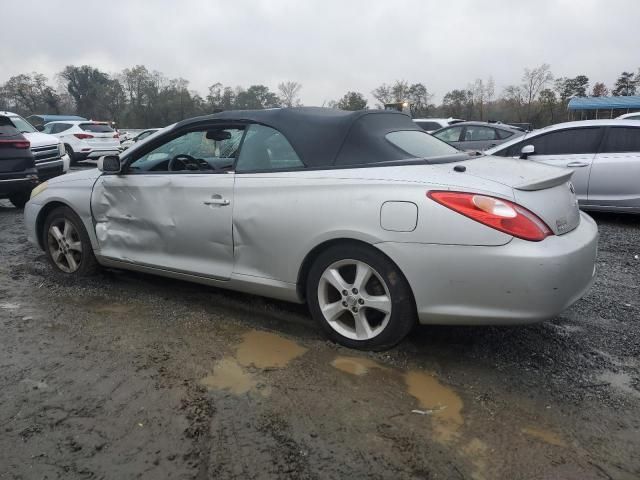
x,y
330,46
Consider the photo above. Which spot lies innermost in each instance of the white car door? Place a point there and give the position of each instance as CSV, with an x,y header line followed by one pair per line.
x,y
615,175
573,148
172,207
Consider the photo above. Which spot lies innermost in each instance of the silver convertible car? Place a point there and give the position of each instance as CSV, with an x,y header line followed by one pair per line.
x,y
373,222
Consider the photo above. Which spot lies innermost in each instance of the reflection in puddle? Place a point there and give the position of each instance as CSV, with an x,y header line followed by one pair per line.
x,y
356,365
438,399
229,375
262,350
545,435
267,350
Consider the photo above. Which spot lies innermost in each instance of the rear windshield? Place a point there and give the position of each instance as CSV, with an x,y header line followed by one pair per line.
x,y
96,127
429,125
420,144
21,124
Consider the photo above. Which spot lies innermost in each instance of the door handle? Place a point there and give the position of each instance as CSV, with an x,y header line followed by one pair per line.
x,y
217,200
577,164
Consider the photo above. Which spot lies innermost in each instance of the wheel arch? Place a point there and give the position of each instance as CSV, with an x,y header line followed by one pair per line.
x,y
305,266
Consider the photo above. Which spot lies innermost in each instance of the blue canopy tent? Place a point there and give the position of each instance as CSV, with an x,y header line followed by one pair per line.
x,y
603,107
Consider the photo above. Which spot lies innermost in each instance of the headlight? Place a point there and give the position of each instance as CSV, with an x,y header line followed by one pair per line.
x,y
61,149
39,189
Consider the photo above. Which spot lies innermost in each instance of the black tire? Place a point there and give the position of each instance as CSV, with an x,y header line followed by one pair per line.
x,y
403,313
72,159
19,200
87,264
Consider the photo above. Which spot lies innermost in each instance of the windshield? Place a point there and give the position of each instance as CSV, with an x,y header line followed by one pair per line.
x,y
420,144
22,125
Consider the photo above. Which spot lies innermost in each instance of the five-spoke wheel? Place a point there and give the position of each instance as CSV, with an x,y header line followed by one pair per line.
x,y
67,244
360,297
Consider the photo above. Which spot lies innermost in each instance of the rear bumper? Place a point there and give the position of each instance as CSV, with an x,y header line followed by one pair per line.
x,y
95,154
520,282
11,184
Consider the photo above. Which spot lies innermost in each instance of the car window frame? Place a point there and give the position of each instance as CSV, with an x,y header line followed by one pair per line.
x,y
464,134
172,135
462,128
304,166
521,142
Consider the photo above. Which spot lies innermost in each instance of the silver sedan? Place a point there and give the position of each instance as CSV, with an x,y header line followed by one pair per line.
x,y
364,216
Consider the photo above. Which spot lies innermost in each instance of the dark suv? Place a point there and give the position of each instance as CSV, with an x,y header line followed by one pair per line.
x,y
18,174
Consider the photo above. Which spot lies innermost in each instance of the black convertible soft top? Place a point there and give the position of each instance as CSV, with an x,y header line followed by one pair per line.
x,y
326,136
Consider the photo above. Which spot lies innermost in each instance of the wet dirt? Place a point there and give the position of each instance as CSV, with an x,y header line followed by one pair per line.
x,y
125,375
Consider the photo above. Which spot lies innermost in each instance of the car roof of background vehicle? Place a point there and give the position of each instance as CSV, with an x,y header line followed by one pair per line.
x,y
53,118
627,115
78,122
564,126
503,126
437,119
327,136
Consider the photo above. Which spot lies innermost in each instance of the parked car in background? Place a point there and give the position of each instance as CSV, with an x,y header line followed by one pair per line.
x,y
85,139
629,116
48,151
359,214
603,154
124,144
18,174
477,135
432,124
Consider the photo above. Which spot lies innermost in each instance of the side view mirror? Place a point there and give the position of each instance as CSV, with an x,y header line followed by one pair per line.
x,y
526,151
40,128
109,164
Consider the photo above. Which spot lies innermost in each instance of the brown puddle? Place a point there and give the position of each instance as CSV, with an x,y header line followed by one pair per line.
x,y
262,350
356,365
437,399
545,435
267,350
229,375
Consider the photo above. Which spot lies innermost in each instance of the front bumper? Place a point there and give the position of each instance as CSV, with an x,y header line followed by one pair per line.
x,y
95,153
31,211
520,282
52,168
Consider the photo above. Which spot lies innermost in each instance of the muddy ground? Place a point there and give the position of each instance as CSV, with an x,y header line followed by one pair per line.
x,y
131,376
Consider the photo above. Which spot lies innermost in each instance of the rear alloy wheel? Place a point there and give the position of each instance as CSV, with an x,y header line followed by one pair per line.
x,y
360,298
19,200
67,243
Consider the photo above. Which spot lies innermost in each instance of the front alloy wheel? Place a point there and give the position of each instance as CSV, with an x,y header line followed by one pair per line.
x,y
64,245
67,243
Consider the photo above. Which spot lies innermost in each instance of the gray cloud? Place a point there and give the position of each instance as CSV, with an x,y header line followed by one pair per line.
x,y
329,46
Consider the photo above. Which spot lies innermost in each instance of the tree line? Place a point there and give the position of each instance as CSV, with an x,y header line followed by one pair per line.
x,y
137,97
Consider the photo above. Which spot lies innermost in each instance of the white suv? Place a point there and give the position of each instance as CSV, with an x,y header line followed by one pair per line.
x,y
85,139
430,125
48,151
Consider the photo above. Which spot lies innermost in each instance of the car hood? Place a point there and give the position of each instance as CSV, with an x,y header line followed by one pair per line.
x,y
39,139
91,174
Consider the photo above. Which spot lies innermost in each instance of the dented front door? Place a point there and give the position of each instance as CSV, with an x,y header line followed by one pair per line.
x,y
175,221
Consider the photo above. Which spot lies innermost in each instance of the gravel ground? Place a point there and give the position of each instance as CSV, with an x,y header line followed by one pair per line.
x,y
126,375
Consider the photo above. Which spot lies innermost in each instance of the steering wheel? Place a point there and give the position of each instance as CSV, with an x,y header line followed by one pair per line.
x,y
188,163
182,162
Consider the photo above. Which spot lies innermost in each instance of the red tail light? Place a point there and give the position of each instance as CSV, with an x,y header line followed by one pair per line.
x,y
15,143
82,136
503,215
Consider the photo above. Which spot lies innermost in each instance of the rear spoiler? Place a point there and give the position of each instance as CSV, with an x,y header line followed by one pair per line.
x,y
546,182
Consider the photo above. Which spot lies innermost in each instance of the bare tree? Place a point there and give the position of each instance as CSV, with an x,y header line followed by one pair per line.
x,y
599,90
289,93
383,94
533,82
